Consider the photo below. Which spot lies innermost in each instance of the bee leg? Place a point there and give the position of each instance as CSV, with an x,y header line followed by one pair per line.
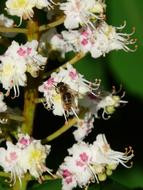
x,y
65,116
74,113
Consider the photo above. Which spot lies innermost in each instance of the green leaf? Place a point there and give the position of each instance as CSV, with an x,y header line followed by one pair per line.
x,y
48,185
4,185
92,69
131,178
128,67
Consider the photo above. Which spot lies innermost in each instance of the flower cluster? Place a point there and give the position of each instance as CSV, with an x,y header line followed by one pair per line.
x,y
17,60
27,155
82,12
65,92
98,41
105,101
94,161
63,89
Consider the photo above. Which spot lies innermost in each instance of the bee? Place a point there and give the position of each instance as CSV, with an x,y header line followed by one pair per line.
x,y
68,98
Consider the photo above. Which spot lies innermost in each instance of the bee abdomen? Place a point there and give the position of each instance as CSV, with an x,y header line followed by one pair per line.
x,y
68,98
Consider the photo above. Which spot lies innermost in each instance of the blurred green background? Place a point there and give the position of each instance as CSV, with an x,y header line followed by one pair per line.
x,y
124,128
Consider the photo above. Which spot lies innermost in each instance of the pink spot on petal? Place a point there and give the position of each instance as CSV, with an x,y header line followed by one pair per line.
x,y
21,52
68,180
49,83
84,157
66,173
29,50
23,141
79,163
73,75
85,33
84,42
13,156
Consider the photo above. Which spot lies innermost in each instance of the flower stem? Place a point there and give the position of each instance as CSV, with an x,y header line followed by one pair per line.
x,y
65,127
31,92
52,24
13,30
75,59
72,61
22,185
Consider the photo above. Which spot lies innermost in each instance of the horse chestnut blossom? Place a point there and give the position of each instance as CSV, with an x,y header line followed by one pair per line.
x,y
63,89
94,161
24,8
16,61
82,12
77,26
84,127
105,101
27,155
98,41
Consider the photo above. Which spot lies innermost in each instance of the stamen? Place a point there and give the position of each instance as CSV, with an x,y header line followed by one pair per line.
x,y
3,120
122,26
114,91
94,174
105,117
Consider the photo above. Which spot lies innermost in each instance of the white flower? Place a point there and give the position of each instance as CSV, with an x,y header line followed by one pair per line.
x,y
34,158
34,61
63,89
74,165
9,160
115,39
79,12
28,155
107,102
91,163
12,74
24,8
16,61
103,154
28,53
84,127
59,44
21,8
98,41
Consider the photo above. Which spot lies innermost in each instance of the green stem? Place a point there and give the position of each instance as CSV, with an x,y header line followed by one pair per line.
x,y
65,127
31,92
13,30
29,110
52,24
22,185
4,174
72,61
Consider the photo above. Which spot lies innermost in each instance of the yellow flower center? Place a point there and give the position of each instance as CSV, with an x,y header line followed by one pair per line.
x,y
7,69
36,155
19,4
